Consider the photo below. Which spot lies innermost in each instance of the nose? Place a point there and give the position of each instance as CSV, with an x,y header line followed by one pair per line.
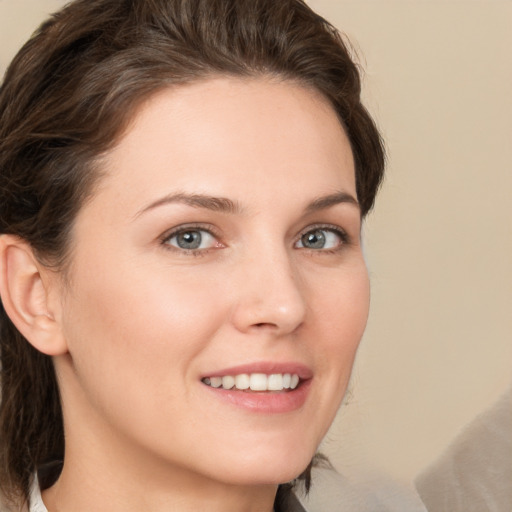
x,y
270,295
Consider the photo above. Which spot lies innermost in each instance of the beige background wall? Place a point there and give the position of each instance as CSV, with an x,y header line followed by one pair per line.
x,y
438,348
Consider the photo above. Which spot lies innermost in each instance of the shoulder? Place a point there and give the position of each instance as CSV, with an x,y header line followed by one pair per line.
x,y
475,471
333,492
7,506
35,501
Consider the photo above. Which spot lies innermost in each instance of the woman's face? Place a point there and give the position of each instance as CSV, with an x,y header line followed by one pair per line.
x,y
223,243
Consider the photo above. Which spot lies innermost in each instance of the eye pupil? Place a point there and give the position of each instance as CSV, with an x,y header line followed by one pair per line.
x,y
189,239
314,239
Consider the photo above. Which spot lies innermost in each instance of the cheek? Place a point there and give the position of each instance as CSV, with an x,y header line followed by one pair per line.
x,y
342,305
138,335
341,312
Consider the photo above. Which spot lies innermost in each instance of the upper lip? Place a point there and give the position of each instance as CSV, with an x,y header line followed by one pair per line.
x,y
267,367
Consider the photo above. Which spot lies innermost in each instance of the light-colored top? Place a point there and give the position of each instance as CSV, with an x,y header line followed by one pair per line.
x,y
475,472
36,502
367,492
330,492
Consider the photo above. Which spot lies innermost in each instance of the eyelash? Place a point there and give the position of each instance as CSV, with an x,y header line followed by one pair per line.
x,y
342,234
183,229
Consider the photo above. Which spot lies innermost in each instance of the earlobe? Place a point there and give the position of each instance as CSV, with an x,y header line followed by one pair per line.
x,y
25,292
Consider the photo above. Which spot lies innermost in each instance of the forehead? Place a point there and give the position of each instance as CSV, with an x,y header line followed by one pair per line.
x,y
227,136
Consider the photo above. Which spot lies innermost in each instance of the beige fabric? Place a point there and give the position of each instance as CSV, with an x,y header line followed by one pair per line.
x,y
36,502
332,492
475,473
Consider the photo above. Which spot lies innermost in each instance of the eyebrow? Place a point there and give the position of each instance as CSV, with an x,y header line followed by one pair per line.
x,y
216,204
225,205
324,202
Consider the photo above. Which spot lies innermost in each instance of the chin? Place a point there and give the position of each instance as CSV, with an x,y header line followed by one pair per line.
x,y
277,468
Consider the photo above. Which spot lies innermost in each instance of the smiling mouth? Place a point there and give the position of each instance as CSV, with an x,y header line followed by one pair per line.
x,y
255,382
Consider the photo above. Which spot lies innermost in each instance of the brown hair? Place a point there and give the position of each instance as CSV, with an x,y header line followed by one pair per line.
x,y
64,101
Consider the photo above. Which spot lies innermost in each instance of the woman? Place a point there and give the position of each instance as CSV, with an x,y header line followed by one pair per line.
x,y
183,287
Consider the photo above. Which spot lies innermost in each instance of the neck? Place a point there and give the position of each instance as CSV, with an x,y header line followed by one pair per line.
x,y
96,483
105,471
109,468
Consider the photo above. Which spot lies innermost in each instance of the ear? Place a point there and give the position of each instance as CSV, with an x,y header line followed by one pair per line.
x,y
29,295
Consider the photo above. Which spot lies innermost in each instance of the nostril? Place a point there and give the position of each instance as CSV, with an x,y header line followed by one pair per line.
x,y
264,324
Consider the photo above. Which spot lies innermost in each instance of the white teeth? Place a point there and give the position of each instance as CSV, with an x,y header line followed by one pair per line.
x,y
255,381
228,382
216,382
258,382
275,382
242,381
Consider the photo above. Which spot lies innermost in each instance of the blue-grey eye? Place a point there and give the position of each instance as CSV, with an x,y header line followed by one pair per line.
x,y
192,239
320,239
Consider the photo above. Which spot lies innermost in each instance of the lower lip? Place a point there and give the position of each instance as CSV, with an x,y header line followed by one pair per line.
x,y
267,402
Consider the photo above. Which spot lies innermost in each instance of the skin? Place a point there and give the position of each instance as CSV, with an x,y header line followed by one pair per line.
x,y
143,320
